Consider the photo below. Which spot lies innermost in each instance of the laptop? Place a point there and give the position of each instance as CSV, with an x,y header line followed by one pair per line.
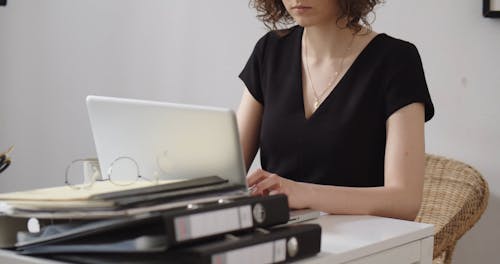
x,y
169,141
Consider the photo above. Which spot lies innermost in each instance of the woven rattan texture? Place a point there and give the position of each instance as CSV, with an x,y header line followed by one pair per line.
x,y
454,198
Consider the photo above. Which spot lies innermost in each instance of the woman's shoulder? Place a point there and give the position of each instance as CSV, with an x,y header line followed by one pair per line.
x,y
283,34
396,47
276,39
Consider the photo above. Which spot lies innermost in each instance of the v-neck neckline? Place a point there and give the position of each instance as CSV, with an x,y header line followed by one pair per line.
x,y
337,86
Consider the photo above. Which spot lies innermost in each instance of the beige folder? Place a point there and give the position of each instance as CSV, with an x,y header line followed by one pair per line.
x,y
67,193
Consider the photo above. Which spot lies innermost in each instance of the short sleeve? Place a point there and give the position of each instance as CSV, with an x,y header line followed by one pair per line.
x,y
251,74
407,85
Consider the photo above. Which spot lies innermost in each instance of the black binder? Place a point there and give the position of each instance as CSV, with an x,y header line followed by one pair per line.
x,y
178,226
277,245
283,244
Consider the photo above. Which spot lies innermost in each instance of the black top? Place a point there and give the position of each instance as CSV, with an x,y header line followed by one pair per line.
x,y
343,141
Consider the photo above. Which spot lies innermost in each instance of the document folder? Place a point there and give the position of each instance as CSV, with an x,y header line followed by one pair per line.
x,y
179,226
277,245
106,190
283,244
105,199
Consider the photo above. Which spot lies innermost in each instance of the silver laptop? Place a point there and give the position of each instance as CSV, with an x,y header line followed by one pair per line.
x,y
168,140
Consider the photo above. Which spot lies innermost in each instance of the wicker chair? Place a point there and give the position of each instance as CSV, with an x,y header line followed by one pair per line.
x,y
454,198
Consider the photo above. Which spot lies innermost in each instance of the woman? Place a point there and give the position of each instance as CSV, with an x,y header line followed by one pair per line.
x,y
337,110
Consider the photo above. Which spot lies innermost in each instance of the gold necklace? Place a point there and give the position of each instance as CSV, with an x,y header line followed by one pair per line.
x,y
333,79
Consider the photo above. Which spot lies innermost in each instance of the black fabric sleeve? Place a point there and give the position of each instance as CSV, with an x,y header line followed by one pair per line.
x,y
407,85
251,74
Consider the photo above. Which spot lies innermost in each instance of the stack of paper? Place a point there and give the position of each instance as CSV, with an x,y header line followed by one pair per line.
x,y
103,199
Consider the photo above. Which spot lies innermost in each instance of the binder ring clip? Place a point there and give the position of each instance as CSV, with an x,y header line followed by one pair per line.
x,y
292,246
259,213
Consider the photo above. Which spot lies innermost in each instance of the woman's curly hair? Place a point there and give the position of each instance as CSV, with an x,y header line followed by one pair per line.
x,y
274,14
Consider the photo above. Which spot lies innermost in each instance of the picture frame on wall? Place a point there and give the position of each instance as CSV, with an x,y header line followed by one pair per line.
x,y
491,8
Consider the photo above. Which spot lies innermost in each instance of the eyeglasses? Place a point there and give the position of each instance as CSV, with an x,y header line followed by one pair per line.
x,y
5,159
123,171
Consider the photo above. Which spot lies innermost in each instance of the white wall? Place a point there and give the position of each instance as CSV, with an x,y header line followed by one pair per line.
x,y
55,52
461,54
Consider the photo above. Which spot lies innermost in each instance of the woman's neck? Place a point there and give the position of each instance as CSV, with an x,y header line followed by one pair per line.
x,y
327,41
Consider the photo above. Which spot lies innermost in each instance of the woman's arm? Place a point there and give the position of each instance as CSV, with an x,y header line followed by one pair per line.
x,y
401,195
249,118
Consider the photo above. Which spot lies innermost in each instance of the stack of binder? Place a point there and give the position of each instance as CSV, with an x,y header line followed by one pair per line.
x,y
194,221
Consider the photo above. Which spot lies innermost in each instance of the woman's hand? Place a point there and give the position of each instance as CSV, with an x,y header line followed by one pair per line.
x,y
262,182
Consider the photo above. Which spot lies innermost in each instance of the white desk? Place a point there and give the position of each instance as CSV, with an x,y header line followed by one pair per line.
x,y
347,239
370,239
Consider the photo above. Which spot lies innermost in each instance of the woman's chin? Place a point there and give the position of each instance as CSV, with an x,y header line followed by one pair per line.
x,y
304,22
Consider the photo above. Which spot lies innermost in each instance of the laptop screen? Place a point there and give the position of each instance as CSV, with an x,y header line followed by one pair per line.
x,y
166,140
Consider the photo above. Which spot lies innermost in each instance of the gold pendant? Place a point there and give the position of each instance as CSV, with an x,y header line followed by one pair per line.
x,y
315,105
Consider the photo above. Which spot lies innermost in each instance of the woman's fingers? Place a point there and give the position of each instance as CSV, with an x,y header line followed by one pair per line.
x,y
269,183
262,182
256,177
